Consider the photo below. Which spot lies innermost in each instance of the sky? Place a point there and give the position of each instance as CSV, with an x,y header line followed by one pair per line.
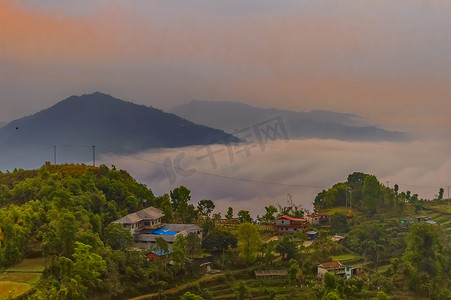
x,y
387,61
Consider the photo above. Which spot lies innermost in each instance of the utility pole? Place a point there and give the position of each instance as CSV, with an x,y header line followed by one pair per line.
x,y
350,199
54,154
448,194
93,155
347,196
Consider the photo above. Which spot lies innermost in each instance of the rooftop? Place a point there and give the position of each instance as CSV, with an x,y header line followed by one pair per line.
x,y
290,218
333,265
149,213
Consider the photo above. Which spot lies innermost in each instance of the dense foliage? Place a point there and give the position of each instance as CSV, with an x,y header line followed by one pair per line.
x,y
64,213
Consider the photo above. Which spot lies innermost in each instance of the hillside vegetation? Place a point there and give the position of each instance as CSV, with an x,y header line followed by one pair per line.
x,y
58,242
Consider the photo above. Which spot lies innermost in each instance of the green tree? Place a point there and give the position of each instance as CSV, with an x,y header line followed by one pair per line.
x,y
118,237
205,208
287,248
229,214
59,237
269,214
179,253
180,196
293,271
249,242
440,194
166,207
219,240
331,296
193,245
339,223
424,249
373,249
88,266
242,291
161,245
371,193
329,281
381,296
244,216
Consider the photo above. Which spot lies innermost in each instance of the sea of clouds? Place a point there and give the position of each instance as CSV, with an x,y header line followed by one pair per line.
x,y
254,175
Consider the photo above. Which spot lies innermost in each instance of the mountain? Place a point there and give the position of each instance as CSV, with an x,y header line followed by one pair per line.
x,y
112,125
234,116
3,124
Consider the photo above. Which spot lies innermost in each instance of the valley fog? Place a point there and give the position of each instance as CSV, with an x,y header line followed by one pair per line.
x,y
253,176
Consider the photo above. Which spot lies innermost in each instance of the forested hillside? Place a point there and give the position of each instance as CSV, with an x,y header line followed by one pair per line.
x,y
111,124
58,242
65,212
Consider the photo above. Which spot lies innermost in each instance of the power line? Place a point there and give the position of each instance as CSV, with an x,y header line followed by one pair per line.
x,y
420,186
207,173
225,176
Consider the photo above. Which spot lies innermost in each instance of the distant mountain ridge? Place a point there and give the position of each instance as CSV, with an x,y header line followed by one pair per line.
x,y
111,124
231,116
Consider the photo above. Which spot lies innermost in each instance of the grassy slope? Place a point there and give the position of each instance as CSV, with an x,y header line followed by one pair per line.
x,y
20,278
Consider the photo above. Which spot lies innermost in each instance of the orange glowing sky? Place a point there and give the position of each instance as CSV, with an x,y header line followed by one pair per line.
x,y
387,61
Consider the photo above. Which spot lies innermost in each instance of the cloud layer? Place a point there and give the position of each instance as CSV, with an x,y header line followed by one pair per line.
x,y
299,168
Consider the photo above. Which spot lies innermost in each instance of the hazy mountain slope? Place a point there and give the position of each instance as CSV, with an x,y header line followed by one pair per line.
x,y
231,116
97,119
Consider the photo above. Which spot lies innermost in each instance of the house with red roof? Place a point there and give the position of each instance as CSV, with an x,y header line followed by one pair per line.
x,y
289,225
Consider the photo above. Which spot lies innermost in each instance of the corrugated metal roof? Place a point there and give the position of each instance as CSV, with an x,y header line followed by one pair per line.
x,y
332,265
149,213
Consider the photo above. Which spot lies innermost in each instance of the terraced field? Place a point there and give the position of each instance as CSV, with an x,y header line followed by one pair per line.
x,y
442,215
19,279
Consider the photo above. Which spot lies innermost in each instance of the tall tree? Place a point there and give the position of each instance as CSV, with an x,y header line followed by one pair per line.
x,y
293,271
229,214
287,248
179,253
118,237
166,207
88,266
193,245
219,240
269,214
371,193
180,196
161,245
249,241
205,208
244,216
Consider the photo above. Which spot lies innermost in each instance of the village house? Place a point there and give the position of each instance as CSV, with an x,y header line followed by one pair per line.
x,y
337,238
146,226
146,219
289,225
318,218
155,254
337,268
